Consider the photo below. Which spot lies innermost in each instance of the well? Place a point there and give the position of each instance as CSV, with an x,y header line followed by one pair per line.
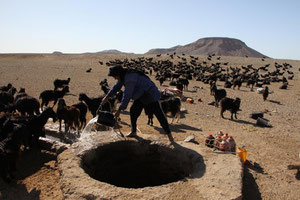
x,y
106,166
134,164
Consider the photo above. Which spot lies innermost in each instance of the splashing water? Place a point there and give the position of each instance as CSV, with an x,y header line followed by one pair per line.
x,y
89,126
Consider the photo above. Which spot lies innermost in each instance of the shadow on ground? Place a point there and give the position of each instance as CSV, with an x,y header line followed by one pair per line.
x,y
250,188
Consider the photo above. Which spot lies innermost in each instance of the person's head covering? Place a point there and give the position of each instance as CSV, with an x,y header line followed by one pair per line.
x,y
116,70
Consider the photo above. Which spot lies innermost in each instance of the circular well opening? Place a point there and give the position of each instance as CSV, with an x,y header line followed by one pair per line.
x,y
132,164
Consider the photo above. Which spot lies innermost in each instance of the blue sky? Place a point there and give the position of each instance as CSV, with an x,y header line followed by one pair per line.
x,y
271,27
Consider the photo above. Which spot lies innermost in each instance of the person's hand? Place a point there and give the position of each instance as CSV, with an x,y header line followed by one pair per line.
x,y
104,101
117,114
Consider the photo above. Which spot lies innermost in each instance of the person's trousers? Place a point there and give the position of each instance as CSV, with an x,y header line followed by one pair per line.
x,y
137,108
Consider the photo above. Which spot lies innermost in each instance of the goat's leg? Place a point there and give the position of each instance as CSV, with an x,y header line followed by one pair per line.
x,y
76,124
149,121
177,117
66,127
83,123
216,103
231,115
222,111
172,119
59,125
55,101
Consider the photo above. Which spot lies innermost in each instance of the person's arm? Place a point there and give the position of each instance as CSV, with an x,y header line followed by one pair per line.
x,y
111,92
128,92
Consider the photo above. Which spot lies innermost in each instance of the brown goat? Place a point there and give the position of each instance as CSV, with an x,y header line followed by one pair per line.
x,y
70,115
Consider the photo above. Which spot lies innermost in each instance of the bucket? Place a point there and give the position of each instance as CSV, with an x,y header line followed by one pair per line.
x,y
262,122
256,115
242,153
106,118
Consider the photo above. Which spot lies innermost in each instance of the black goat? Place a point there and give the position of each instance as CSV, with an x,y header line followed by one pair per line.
x,y
6,88
250,83
265,93
233,105
21,93
218,94
10,108
284,85
60,83
10,150
104,86
237,82
173,106
52,95
7,97
170,104
185,82
149,113
94,103
35,125
27,104
227,84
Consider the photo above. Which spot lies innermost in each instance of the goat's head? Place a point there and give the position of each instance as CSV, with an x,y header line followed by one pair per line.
x,y
66,89
22,90
81,96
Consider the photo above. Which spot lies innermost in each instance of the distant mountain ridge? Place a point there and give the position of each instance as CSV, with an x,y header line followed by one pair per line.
x,y
111,51
220,46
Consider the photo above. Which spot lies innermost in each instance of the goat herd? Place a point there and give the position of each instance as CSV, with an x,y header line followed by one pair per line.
x,y
23,117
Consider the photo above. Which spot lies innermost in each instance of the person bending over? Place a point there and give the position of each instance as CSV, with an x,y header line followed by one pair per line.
x,y
143,92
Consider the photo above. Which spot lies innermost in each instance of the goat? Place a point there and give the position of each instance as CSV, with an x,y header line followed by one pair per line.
x,y
6,88
60,83
237,82
284,86
265,93
161,80
149,113
10,108
70,115
227,84
10,151
52,95
27,104
173,106
35,124
83,110
250,83
94,103
21,93
7,97
218,94
233,105
185,82
104,87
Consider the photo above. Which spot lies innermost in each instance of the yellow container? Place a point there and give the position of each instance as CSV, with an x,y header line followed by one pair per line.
x,y
242,153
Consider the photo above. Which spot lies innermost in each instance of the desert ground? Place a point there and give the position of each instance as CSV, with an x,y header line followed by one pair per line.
x,y
270,149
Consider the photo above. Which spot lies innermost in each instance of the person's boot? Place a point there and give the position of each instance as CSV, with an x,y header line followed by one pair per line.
x,y
131,134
